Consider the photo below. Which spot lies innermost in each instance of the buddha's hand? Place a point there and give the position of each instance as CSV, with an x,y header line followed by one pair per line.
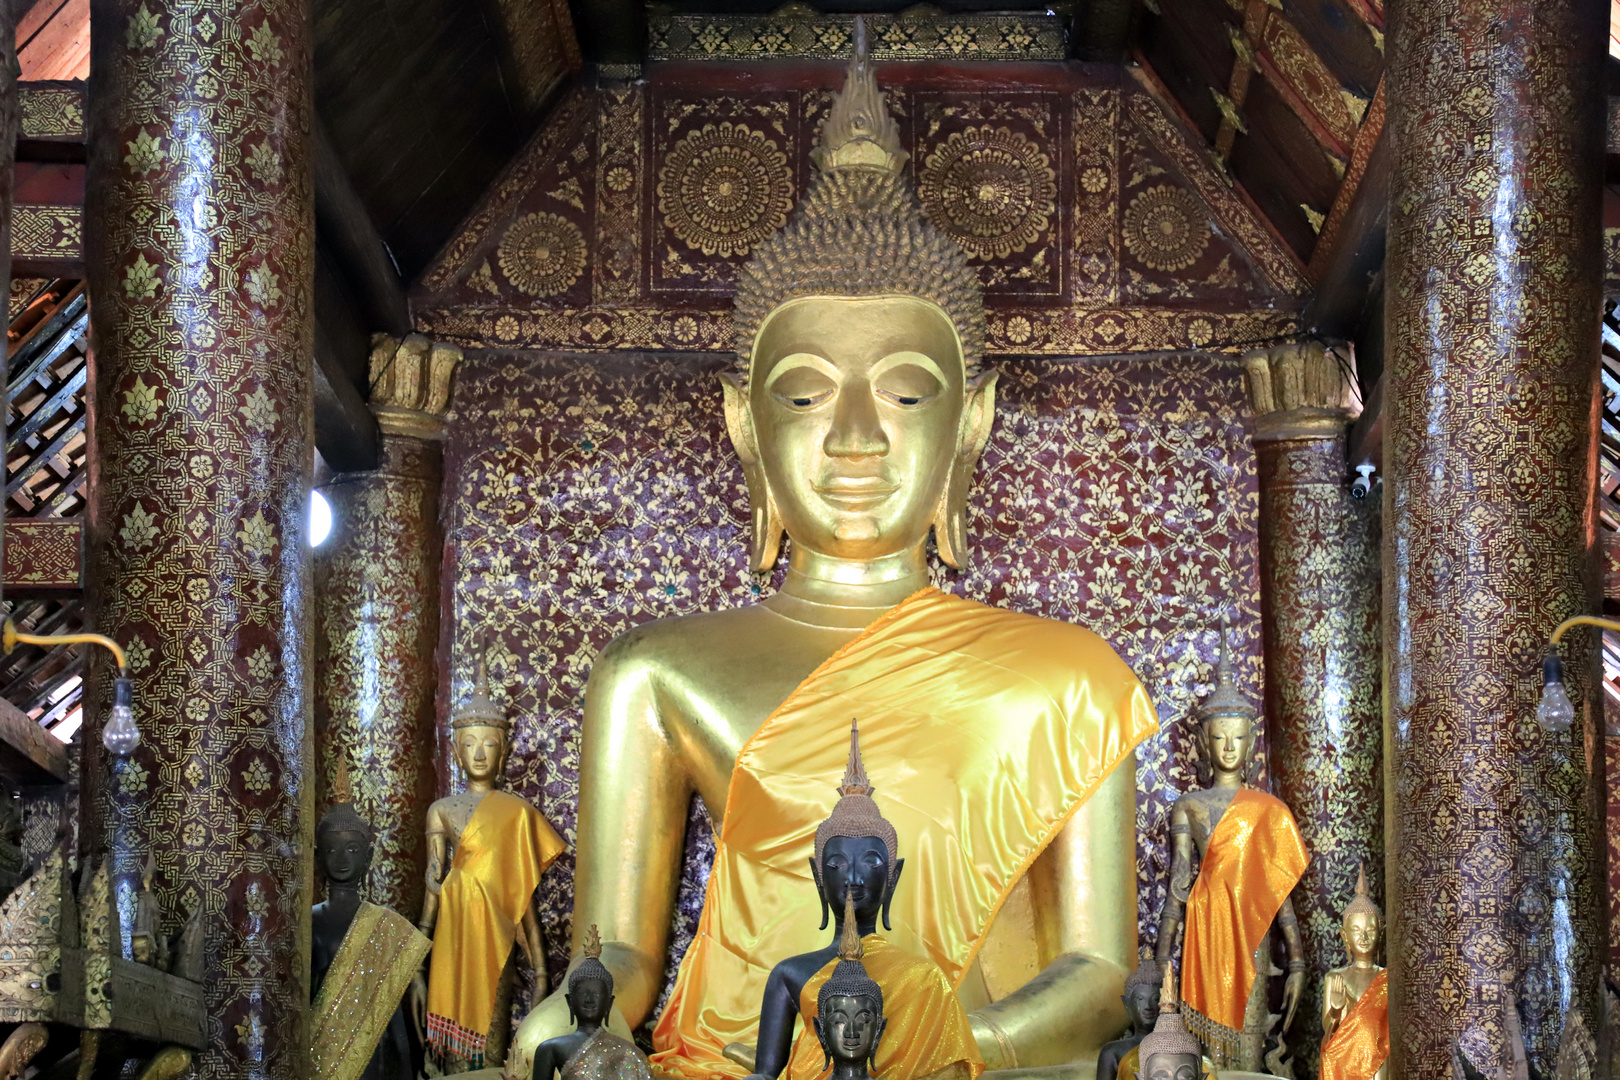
x,y
1292,989
418,1005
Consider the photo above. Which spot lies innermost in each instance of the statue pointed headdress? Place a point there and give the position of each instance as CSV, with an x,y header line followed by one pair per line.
x,y
859,230
480,710
1169,1034
343,817
856,814
591,967
849,978
1146,974
1361,902
1226,699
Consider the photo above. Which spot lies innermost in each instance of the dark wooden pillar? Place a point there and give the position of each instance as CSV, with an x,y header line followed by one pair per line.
x,y
1494,300
199,237
377,601
1319,605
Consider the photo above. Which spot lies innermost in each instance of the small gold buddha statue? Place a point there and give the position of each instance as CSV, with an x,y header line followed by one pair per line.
x,y
849,1012
1250,858
856,868
1169,1051
486,851
147,945
1004,743
590,1051
1355,998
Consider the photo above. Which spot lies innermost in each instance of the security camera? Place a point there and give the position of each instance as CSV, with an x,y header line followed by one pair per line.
x,y
1362,484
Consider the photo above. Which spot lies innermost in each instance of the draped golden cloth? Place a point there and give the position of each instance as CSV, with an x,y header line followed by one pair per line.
x,y
1359,1046
1254,859
929,1028
361,990
502,852
983,731
606,1057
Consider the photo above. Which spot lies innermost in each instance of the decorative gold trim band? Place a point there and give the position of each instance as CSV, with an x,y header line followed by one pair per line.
x,y
811,36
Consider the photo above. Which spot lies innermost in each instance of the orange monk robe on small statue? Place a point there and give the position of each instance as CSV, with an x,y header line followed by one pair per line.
x,y
484,904
1355,998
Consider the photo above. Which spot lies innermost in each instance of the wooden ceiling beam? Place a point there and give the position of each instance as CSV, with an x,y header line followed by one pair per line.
x,y
1342,290
345,230
346,432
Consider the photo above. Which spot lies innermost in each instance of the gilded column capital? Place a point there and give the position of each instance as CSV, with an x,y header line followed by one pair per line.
x,y
1301,389
410,384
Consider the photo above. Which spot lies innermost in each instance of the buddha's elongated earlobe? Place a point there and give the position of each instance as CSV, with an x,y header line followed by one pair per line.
x,y
888,893
765,538
815,872
950,515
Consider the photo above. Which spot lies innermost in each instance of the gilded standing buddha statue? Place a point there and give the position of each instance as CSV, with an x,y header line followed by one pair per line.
x,y
1355,998
1003,743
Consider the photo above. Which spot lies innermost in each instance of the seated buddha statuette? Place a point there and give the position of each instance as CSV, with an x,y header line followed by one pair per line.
x,y
1141,1000
1169,1052
1250,859
1003,743
849,1020
486,851
856,870
1355,998
590,1051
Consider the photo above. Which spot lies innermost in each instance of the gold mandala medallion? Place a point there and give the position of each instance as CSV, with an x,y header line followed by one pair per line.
x,y
542,254
992,189
724,188
1166,228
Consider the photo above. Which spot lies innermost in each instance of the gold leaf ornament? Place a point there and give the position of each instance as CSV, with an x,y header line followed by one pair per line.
x,y
724,188
143,31
542,254
140,279
140,402
1166,228
993,189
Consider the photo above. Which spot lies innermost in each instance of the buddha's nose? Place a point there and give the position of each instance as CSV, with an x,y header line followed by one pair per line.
x,y
856,431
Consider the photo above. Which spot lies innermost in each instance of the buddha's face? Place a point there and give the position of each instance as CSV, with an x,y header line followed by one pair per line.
x,y
1228,741
856,409
1142,1005
849,1028
1170,1067
590,1001
857,867
481,751
1360,934
344,855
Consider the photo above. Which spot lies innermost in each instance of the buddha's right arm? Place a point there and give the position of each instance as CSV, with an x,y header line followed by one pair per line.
x,y
633,798
1175,903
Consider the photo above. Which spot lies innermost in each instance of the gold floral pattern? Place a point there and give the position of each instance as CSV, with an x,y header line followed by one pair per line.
x,y
1166,228
724,188
542,254
992,189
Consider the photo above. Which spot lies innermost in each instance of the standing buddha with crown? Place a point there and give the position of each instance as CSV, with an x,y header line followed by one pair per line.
x,y
859,411
486,851
1250,858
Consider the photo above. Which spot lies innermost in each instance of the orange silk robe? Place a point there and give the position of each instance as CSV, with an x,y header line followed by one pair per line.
x,y
916,998
983,731
1254,859
502,852
1359,1046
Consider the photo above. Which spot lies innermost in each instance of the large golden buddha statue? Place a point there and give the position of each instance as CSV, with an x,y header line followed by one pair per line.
x,y
1004,743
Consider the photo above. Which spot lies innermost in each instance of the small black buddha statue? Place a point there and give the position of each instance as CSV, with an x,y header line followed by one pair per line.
x,y
849,1019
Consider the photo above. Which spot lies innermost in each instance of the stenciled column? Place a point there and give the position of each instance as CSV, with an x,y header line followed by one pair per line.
x,y
199,245
1319,604
377,598
1494,295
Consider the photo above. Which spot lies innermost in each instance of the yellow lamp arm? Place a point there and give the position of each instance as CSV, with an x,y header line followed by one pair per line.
x,y
10,636
1584,620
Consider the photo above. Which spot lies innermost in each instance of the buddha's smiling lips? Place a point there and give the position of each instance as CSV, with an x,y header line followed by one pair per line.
x,y
856,492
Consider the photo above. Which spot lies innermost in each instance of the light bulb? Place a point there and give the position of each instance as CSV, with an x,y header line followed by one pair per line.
x,y
1556,712
121,736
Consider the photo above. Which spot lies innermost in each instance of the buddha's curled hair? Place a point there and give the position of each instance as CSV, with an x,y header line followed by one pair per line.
x,y
849,977
860,231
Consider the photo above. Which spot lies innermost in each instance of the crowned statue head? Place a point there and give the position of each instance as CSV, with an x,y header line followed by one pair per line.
x,y
856,848
859,410
1363,923
849,1008
1141,996
1227,721
590,984
1169,1052
479,730
343,839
